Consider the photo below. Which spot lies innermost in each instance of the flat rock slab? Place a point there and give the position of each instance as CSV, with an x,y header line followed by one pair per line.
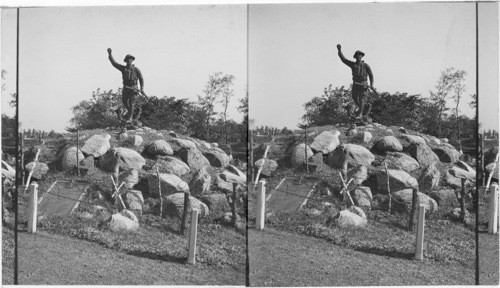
x,y
290,196
62,199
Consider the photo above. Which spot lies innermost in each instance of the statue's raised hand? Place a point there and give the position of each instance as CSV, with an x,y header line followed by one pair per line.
x,y
109,50
339,47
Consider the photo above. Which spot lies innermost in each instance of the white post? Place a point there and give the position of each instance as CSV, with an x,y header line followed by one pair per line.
x,y
33,208
31,172
493,213
260,168
192,237
419,253
261,206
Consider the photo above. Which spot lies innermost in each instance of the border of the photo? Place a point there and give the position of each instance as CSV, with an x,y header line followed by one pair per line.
x,y
10,4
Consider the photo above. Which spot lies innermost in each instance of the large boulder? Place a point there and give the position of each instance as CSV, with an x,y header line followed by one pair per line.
x,y
269,166
223,185
349,219
87,162
233,175
97,145
129,177
299,154
423,154
125,221
446,154
170,184
364,136
200,183
434,141
216,202
429,179
39,169
358,211
413,139
193,158
134,140
133,199
463,171
123,157
451,181
398,180
358,174
174,205
356,155
326,141
169,164
445,197
217,157
362,196
389,143
159,148
69,159
314,161
401,161
178,144
403,201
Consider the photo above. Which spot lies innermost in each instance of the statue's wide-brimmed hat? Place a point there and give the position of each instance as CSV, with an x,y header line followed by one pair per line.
x,y
358,52
128,56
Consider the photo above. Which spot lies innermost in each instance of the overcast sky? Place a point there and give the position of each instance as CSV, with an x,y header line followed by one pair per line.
x,y
63,54
293,53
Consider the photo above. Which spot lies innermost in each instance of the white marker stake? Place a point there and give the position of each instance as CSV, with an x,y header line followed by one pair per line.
x,y
419,254
261,206
493,217
33,208
192,237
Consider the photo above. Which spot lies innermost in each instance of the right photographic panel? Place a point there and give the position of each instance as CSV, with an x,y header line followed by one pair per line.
x,y
488,120
363,152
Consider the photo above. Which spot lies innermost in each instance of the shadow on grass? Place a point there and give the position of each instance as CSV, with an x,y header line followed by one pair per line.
x,y
382,252
161,257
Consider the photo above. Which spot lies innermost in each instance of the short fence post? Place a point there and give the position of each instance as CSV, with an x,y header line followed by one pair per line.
x,y
77,158
261,206
419,253
493,213
33,208
192,237
21,151
184,212
414,201
234,220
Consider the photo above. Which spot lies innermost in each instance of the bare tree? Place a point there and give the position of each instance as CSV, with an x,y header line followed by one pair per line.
x,y
217,87
449,82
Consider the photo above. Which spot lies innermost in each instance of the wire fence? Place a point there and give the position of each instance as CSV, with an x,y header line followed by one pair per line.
x,y
315,187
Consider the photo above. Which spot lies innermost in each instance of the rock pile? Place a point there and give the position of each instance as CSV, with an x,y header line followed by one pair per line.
x,y
148,160
413,160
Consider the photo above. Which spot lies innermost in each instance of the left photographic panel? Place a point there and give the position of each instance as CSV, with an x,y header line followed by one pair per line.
x,y
133,131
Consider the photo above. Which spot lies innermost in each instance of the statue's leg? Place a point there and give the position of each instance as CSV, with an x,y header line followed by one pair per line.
x,y
362,100
119,114
132,106
368,109
138,114
125,100
361,108
348,109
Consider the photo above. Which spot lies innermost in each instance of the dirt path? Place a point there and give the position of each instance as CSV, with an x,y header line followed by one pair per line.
x,y
286,259
57,260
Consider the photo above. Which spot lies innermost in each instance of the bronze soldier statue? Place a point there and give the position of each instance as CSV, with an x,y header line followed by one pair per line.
x,y
360,72
130,76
